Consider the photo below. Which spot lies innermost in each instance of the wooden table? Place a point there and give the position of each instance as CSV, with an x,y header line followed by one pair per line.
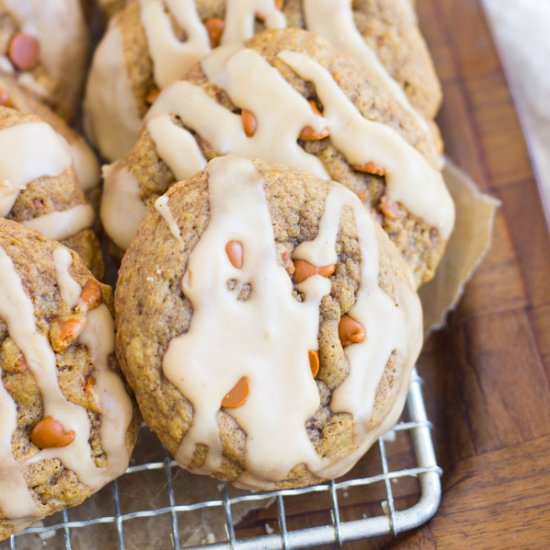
x,y
487,374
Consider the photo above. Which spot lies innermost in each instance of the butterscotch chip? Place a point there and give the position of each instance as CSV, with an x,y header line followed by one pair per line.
x,y
234,250
49,433
370,168
23,51
4,98
152,95
304,270
64,332
91,294
215,27
351,331
313,362
310,134
249,123
237,396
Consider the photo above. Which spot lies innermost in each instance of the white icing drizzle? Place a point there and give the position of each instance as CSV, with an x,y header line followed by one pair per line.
x,y
85,164
12,481
162,207
68,287
241,15
64,224
27,152
252,83
6,65
172,58
267,337
183,163
121,206
333,20
16,309
112,118
28,81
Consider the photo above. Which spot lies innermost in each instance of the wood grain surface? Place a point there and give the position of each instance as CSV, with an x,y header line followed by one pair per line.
x,y
487,373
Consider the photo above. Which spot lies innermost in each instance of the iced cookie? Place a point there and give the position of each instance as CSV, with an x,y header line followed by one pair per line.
x,y
287,96
151,44
44,45
67,423
39,187
85,162
266,324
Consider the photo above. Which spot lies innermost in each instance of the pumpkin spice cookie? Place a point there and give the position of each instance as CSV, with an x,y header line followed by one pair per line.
x,y
44,46
287,96
266,324
150,44
67,423
39,187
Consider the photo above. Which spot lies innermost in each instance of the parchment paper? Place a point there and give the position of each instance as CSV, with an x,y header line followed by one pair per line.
x,y
469,242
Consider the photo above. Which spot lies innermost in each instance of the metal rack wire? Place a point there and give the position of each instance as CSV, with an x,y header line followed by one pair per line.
x,y
338,531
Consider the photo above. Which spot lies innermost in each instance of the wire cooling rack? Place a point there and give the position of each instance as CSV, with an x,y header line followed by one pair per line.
x,y
387,512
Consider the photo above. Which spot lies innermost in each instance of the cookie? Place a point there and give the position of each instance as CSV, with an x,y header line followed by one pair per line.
x,y
266,324
84,160
44,45
67,423
39,187
287,96
151,44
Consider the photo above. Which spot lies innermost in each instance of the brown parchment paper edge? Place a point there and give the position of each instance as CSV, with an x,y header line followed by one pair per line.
x,y
468,245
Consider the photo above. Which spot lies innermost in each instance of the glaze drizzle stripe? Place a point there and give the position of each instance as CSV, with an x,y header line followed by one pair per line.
x,y
64,224
333,20
172,57
12,481
267,337
19,144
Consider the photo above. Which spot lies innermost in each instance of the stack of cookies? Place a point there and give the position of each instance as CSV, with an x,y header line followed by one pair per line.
x,y
275,200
